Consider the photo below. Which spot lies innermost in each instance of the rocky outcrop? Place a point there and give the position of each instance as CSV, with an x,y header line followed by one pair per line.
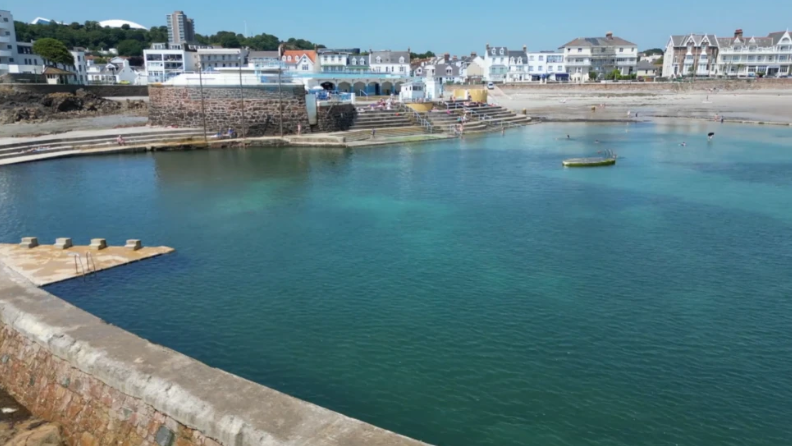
x,y
21,106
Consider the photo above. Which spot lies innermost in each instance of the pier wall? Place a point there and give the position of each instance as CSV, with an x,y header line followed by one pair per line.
x,y
335,118
106,386
255,108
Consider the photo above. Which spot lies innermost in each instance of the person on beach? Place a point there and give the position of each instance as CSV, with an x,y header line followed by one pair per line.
x,y
299,129
120,141
373,133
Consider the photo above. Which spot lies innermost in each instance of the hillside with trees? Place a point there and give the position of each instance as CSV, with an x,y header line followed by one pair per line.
x,y
132,42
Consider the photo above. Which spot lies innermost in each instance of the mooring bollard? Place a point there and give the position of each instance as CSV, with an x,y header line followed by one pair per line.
x,y
98,243
63,243
29,242
134,245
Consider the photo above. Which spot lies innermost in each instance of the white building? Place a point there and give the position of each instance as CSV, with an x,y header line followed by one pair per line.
x,y
117,71
546,65
8,48
651,58
496,63
164,61
333,61
303,61
212,58
600,55
388,61
751,56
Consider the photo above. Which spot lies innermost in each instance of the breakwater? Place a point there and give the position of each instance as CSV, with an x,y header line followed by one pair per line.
x,y
104,385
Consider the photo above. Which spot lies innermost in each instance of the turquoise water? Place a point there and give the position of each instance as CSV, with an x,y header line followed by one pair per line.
x,y
467,292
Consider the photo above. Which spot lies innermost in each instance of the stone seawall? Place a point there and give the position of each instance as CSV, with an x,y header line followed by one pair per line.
x,y
255,108
702,85
106,386
105,91
335,118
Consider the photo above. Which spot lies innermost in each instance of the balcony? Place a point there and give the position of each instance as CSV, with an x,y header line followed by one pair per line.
x,y
6,53
573,63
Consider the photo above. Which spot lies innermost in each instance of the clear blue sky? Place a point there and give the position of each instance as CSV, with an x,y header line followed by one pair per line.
x,y
457,27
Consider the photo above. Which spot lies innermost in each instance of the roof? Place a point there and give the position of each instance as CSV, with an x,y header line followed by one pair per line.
x,y
598,41
54,70
517,54
758,41
645,66
442,69
115,23
263,55
299,53
388,56
776,36
682,40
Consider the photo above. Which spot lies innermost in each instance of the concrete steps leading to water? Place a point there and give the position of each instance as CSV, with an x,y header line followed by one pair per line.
x,y
384,133
59,144
376,119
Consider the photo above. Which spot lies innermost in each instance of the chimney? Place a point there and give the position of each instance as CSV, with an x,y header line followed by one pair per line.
x,y
408,50
473,54
525,48
488,47
608,35
280,50
446,56
738,33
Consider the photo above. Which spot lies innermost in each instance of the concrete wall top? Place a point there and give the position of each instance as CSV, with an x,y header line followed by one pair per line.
x,y
106,91
222,406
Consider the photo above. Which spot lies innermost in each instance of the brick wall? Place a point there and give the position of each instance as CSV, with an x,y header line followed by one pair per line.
x,y
181,106
90,412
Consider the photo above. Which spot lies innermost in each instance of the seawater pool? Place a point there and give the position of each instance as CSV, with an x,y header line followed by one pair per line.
x,y
466,292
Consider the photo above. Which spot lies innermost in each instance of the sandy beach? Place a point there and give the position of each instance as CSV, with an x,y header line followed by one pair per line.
x,y
770,106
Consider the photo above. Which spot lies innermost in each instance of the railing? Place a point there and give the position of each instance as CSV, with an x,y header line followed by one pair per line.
x,y
423,121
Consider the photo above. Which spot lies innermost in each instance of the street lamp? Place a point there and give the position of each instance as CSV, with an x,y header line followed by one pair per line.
x,y
242,96
203,107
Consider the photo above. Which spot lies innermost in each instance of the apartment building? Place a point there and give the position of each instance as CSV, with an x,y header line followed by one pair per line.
x,y
600,55
181,29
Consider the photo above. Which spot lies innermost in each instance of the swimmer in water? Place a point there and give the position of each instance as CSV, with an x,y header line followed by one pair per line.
x,y
596,141
568,137
683,144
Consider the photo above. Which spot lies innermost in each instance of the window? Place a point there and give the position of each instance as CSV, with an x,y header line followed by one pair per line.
x,y
549,68
223,65
379,59
539,68
493,51
501,51
580,50
621,50
305,67
519,60
511,60
560,68
530,67
401,59
531,58
288,58
541,58
401,69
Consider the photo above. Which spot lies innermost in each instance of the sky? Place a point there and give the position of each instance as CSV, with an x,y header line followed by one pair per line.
x,y
455,27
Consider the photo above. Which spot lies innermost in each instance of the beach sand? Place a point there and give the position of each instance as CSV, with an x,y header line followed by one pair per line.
x,y
765,105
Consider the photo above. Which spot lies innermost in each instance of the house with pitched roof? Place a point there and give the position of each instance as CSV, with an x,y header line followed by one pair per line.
x,y
753,56
496,63
600,55
690,55
387,61
303,61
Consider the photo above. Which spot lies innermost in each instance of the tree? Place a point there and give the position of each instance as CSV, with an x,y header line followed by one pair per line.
x,y
53,51
230,41
613,75
652,51
659,61
592,75
130,48
425,55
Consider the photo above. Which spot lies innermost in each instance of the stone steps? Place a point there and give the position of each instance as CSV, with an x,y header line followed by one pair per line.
x,y
93,142
383,133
